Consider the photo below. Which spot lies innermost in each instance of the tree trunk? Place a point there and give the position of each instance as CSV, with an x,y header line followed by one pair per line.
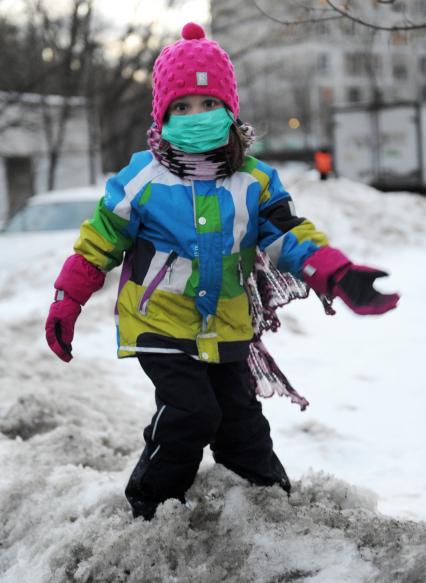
x,y
53,164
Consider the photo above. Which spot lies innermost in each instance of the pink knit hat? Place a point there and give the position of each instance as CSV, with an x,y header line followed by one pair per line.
x,y
193,65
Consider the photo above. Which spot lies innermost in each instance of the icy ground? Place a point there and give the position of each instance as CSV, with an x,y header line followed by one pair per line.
x,y
70,434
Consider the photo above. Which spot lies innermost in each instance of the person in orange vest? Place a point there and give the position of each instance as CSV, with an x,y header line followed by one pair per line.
x,y
323,162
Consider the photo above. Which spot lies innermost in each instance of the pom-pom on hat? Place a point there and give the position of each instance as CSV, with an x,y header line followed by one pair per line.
x,y
192,65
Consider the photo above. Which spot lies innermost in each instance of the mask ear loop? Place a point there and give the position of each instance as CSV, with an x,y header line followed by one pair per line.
x,y
236,123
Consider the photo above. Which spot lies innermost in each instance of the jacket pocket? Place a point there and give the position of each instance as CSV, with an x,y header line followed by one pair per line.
x,y
155,282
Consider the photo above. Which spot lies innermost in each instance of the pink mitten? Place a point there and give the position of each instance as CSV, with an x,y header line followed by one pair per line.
x,y
77,281
331,273
60,324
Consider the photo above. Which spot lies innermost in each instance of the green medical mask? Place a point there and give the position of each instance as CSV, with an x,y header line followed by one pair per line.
x,y
198,132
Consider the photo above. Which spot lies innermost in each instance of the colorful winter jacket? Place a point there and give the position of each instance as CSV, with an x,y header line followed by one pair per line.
x,y
188,246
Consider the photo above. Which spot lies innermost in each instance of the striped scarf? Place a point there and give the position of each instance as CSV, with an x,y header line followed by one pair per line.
x,y
206,166
268,289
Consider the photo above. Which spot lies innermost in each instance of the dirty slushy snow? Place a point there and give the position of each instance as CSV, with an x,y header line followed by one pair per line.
x,y
71,434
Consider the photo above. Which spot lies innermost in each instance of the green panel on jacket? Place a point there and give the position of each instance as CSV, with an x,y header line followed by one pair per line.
x,y
208,214
231,284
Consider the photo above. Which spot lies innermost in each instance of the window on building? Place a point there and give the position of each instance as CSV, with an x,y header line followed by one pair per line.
x,y
348,27
353,64
400,71
419,6
323,63
377,63
354,94
362,64
422,65
321,28
423,93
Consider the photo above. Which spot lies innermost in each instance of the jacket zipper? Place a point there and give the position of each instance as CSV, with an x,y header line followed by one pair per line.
x,y
143,305
243,283
240,271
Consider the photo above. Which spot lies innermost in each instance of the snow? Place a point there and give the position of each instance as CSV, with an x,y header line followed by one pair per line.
x,y
36,98
68,195
71,434
18,249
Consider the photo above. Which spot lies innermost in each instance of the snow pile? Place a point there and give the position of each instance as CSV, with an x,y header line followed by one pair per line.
x,y
359,218
67,452
71,434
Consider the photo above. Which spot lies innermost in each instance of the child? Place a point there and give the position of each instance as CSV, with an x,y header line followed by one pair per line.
x,y
188,216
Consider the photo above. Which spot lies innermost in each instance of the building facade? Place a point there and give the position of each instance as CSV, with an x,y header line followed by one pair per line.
x,y
291,77
28,124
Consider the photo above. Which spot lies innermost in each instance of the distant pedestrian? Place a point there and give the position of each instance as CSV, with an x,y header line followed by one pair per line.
x,y
194,217
323,162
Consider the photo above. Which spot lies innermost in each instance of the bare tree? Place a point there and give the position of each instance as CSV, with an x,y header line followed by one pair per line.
x,y
67,39
122,92
346,13
312,13
65,56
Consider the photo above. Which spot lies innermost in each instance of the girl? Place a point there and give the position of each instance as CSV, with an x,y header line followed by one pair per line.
x,y
188,216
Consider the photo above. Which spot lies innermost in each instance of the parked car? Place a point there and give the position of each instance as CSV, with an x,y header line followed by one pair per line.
x,y
47,221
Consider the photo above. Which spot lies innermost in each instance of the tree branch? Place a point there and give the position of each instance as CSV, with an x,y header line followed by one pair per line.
x,y
343,13
295,22
362,22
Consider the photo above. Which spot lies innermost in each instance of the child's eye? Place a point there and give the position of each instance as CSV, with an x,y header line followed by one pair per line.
x,y
180,107
211,103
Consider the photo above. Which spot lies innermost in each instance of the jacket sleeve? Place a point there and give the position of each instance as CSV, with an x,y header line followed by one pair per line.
x,y
289,240
113,227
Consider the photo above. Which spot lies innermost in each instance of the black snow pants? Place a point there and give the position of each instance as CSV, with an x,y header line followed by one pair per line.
x,y
200,404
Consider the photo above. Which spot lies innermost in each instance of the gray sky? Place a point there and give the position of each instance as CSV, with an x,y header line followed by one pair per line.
x,y
124,11
146,11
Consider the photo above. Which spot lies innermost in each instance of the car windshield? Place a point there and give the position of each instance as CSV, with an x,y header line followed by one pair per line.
x,y
52,216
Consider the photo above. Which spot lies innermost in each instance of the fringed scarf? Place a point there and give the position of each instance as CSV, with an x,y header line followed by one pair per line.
x,y
267,288
208,166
